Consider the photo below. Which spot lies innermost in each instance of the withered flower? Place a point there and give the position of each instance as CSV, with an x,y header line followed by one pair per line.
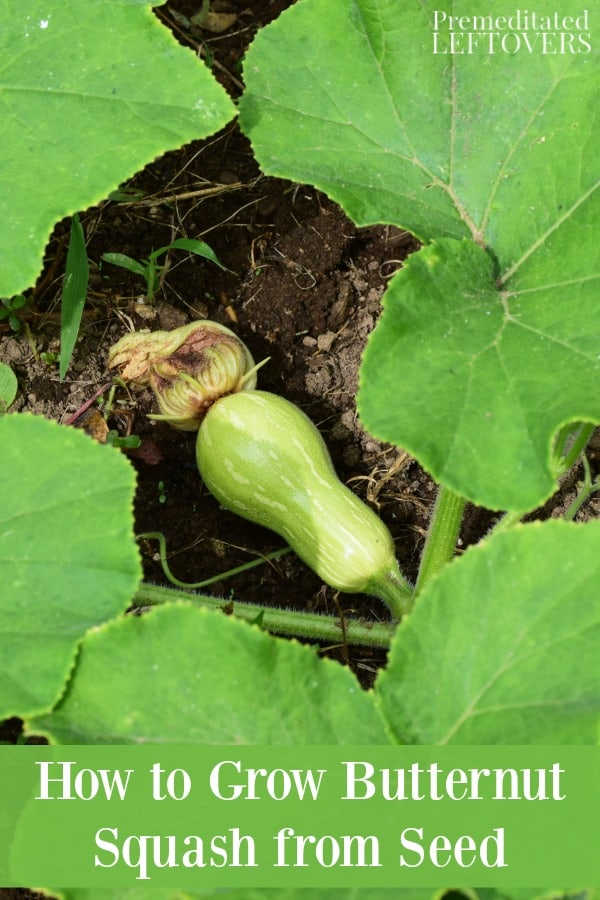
x,y
187,368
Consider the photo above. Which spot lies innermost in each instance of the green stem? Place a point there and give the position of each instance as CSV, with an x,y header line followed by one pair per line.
x,y
395,591
573,438
587,489
316,627
442,535
507,521
581,434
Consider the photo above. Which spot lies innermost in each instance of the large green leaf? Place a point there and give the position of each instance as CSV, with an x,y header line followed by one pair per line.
x,y
441,144
482,381
499,148
341,105
89,93
185,675
68,560
503,646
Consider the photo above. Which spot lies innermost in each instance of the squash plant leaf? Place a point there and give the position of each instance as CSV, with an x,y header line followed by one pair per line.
x,y
260,690
68,560
496,148
482,378
511,631
90,93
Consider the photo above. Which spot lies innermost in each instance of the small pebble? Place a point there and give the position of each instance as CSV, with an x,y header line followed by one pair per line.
x,y
324,341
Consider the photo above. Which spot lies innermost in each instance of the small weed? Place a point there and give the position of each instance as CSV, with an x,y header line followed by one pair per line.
x,y
129,442
151,271
11,311
49,358
73,295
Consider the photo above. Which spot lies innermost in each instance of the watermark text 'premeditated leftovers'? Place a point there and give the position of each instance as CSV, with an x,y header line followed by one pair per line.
x,y
524,31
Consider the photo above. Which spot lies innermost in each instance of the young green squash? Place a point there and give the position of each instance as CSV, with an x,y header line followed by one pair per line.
x,y
263,459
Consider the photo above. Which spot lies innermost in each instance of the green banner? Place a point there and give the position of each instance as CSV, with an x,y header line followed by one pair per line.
x,y
182,816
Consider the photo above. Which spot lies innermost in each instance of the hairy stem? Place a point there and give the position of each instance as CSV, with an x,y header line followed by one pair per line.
x,y
326,629
395,591
442,535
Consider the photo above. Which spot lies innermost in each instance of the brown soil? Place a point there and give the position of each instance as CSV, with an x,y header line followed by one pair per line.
x,y
305,285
